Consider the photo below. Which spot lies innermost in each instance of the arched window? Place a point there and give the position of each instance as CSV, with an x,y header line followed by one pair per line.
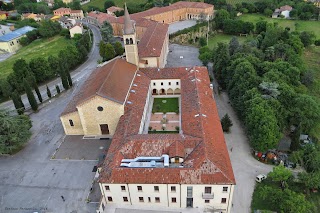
x,y
127,41
71,122
131,41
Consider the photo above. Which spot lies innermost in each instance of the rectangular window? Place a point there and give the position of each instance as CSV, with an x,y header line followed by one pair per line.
x,y
169,83
107,188
161,83
189,191
173,200
223,200
123,188
225,189
140,199
156,188
157,199
173,189
139,188
110,199
154,84
125,199
207,201
149,199
207,190
177,83
71,122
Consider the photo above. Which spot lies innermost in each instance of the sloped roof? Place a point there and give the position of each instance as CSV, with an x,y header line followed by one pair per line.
x,y
202,144
111,81
15,34
114,9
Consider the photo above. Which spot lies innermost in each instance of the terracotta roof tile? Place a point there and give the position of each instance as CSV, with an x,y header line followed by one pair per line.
x,y
114,9
202,144
111,81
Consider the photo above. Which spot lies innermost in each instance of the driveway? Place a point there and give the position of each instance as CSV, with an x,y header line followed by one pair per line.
x,y
181,25
82,72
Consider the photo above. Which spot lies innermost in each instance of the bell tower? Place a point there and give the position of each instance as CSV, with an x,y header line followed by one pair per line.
x,y
130,39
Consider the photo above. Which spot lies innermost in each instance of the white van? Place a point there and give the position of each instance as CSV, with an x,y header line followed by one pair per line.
x,y
260,178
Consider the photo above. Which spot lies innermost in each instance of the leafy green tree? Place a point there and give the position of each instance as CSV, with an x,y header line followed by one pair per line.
x,y
220,63
75,5
30,95
21,70
233,45
5,88
14,131
267,12
18,104
108,4
58,89
40,67
48,28
205,57
48,92
110,53
24,41
307,38
221,16
226,123
280,174
202,41
118,48
107,32
102,49
261,26
310,180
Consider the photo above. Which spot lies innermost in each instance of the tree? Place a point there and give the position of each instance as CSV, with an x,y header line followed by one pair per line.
x,y
69,79
5,88
41,69
202,41
226,123
118,48
14,131
307,38
21,70
205,57
48,92
48,28
75,5
233,45
64,79
108,4
102,49
267,12
58,89
107,32
310,180
18,104
221,16
220,63
30,95
110,53
33,82
280,174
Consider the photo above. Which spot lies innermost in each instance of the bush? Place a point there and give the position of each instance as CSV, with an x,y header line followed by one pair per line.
x,y
226,123
317,42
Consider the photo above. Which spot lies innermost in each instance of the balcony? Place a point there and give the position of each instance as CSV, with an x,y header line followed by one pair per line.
x,y
207,196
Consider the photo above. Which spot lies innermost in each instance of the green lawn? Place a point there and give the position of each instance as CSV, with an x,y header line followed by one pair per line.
x,y
298,25
213,41
40,47
165,105
119,3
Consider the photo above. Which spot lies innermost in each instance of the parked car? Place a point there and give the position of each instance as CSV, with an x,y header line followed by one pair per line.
x,y
260,178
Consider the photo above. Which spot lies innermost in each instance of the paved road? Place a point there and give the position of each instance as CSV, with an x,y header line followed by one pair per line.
x,y
77,75
180,25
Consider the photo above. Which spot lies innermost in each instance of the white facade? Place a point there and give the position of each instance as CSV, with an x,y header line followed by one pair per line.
x,y
166,86
218,197
286,13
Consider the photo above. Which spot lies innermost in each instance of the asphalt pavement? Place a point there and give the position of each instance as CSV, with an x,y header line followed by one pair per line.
x,y
82,72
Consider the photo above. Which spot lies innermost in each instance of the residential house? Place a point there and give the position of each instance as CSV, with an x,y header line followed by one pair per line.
x,y
67,1
76,14
77,29
113,9
66,22
10,42
3,15
284,11
62,11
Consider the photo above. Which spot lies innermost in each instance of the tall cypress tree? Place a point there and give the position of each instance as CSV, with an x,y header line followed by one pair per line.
x,y
69,78
48,92
33,82
30,95
64,79
18,104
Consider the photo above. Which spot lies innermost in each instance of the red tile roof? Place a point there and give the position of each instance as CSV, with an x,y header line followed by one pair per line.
x,y
202,143
62,10
102,17
114,9
111,81
76,11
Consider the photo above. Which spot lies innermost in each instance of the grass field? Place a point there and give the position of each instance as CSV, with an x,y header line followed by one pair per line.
x,y
298,25
119,3
234,2
213,41
165,105
40,47
311,57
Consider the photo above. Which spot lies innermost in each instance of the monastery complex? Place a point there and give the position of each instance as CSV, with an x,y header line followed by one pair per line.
x,y
157,159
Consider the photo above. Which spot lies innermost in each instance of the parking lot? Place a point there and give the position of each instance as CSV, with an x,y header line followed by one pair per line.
x,y
183,56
